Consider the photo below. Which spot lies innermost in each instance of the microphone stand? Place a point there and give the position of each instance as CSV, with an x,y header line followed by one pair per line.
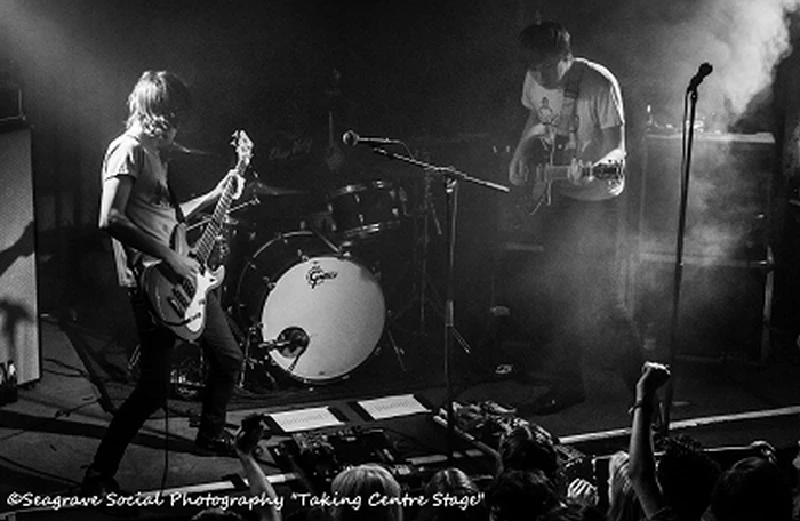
x,y
686,159
450,176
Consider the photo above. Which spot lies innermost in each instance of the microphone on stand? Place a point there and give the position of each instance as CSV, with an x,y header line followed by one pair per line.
x,y
351,139
291,342
704,70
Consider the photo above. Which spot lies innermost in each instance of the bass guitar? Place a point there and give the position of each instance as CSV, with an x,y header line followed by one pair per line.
x,y
181,306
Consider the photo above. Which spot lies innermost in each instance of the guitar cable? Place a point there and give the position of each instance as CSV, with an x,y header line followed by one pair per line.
x,y
165,471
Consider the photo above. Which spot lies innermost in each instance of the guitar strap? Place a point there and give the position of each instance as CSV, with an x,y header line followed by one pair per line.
x,y
568,124
174,200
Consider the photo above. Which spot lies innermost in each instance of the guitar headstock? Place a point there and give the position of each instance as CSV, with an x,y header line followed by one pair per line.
x,y
244,149
244,153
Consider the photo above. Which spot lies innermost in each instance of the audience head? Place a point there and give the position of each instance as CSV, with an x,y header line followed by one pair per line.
x,y
753,489
623,505
530,447
686,475
356,485
518,495
455,483
216,514
572,512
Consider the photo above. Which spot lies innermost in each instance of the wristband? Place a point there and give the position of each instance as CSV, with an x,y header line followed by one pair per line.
x,y
637,405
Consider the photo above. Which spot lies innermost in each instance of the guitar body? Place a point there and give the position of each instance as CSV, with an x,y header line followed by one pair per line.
x,y
180,307
552,150
176,306
550,159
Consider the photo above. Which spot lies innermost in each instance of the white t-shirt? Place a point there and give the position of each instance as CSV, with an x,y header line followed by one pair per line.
x,y
598,105
149,205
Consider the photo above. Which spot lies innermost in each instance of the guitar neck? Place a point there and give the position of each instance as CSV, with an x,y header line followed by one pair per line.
x,y
206,242
549,173
244,152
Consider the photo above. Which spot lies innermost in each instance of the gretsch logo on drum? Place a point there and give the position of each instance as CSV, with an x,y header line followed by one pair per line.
x,y
316,276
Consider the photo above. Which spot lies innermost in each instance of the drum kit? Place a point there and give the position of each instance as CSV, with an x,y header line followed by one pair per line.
x,y
304,292
305,296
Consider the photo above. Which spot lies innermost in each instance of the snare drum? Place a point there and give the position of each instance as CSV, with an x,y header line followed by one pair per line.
x,y
298,281
363,210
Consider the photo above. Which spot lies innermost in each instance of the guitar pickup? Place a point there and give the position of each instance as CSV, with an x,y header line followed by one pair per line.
x,y
188,287
176,307
181,299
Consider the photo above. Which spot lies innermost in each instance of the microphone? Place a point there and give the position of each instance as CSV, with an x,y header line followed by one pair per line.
x,y
351,139
702,71
290,341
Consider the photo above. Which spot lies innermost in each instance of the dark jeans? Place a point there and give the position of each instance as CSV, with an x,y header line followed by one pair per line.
x,y
571,294
224,358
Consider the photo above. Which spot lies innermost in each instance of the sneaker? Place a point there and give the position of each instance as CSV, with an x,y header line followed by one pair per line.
x,y
220,446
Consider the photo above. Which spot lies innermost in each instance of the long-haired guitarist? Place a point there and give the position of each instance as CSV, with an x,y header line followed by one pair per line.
x,y
570,160
139,211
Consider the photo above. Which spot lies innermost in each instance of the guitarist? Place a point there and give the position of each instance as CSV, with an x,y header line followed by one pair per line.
x,y
140,213
575,118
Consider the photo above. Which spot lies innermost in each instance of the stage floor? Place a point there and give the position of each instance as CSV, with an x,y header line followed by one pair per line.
x,y
48,437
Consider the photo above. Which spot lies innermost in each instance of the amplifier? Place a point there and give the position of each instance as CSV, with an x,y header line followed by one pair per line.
x,y
726,287
730,194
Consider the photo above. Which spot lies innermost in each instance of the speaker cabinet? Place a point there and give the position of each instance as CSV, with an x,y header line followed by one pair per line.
x,y
727,264
19,312
729,195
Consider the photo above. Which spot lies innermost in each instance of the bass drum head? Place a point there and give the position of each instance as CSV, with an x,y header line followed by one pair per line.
x,y
335,300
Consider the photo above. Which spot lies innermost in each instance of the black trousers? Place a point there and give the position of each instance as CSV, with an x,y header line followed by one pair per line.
x,y
224,363
568,296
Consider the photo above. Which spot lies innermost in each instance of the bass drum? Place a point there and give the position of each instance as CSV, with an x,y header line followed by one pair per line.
x,y
298,281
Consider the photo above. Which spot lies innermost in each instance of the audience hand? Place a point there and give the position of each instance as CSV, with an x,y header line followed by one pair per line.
x,y
583,493
246,440
654,375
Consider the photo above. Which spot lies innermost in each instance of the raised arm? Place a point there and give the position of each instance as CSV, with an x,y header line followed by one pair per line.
x,y
198,203
246,443
642,465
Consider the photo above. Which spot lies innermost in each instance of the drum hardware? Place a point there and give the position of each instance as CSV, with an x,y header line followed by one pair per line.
x,y
399,352
342,249
291,343
230,221
450,177
257,188
424,293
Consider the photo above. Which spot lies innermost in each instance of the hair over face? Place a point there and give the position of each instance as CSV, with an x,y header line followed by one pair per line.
x,y
157,102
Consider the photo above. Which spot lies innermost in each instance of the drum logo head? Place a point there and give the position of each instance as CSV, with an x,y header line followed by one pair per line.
x,y
316,275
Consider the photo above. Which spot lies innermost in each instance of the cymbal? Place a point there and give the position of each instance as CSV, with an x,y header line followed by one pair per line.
x,y
259,188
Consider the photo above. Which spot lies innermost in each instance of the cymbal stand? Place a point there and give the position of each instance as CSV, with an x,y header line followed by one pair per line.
x,y
450,176
424,292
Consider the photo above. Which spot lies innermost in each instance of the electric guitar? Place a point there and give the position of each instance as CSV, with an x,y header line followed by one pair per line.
x,y
548,163
181,306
